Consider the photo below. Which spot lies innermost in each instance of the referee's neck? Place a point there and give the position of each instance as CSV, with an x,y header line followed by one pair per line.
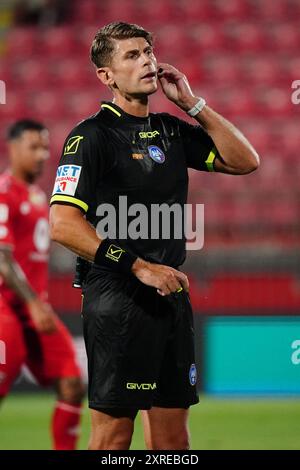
x,y
136,106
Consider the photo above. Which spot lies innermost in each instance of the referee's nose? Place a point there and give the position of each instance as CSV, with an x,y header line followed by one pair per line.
x,y
148,60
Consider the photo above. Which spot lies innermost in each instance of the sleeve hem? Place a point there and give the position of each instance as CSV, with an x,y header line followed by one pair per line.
x,y
69,200
210,159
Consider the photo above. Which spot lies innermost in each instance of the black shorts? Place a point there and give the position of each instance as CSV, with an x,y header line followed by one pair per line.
x,y
140,345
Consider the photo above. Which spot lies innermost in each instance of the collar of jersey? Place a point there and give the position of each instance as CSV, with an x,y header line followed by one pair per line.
x,y
119,113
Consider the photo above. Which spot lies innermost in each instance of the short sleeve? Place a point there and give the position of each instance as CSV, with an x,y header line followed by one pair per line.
x,y
80,167
199,147
6,220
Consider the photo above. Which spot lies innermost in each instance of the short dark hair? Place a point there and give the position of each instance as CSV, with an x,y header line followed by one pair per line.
x,y
103,44
17,129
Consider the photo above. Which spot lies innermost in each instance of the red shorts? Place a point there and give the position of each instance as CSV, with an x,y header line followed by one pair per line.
x,y
48,356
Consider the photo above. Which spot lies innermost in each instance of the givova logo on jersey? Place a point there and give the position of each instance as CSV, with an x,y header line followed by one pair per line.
x,y
67,177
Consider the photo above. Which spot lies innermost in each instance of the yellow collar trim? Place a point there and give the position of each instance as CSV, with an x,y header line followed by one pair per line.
x,y
111,108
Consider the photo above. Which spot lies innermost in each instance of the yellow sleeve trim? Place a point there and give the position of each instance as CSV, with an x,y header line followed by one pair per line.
x,y
72,200
210,159
111,108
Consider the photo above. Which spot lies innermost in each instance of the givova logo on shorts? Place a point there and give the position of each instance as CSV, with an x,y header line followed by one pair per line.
x,y
135,386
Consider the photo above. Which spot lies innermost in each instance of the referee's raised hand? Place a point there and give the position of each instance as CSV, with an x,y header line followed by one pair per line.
x,y
166,279
175,86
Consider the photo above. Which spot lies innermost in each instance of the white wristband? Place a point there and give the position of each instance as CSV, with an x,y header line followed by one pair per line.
x,y
197,108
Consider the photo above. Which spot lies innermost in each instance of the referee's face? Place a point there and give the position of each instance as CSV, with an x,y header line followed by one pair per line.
x,y
133,69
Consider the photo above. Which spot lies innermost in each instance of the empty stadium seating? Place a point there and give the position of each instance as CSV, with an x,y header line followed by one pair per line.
x,y
241,55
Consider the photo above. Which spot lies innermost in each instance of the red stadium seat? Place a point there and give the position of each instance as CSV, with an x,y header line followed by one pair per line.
x,y
85,38
261,69
83,104
290,138
207,37
242,56
236,101
74,74
245,37
15,107
275,101
172,41
195,11
294,9
163,12
232,9
209,93
285,37
46,105
6,72
258,134
87,12
111,10
58,41
271,9
221,69
292,68
22,42
191,68
32,74
59,131
280,212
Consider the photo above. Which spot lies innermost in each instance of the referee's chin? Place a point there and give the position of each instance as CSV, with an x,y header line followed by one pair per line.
x,y
154,90
144,93
150,88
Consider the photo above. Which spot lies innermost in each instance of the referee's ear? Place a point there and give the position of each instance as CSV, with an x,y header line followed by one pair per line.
x,y
105,76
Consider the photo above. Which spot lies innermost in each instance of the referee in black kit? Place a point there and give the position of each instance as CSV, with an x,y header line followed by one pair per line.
x,y
137,318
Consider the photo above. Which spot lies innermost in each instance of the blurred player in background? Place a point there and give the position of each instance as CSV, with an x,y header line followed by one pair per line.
x,y
32,333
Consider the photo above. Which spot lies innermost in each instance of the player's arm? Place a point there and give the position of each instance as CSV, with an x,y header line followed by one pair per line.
x,y
14,277
235,155
41,313
69,228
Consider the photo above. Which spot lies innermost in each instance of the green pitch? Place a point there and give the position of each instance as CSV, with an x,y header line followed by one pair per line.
x,y
215,424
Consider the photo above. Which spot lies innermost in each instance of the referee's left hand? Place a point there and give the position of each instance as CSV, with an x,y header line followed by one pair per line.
x,y
175,86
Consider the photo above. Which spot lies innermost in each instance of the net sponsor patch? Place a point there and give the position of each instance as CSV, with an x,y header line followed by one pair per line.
x,y
67,177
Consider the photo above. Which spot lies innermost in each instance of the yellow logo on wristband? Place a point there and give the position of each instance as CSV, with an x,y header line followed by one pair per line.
x,y
114,252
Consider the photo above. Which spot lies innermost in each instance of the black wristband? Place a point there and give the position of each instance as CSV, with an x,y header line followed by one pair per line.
x,y
114,257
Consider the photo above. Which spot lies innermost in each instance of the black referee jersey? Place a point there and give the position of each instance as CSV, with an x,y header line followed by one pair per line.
x,y
143,159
